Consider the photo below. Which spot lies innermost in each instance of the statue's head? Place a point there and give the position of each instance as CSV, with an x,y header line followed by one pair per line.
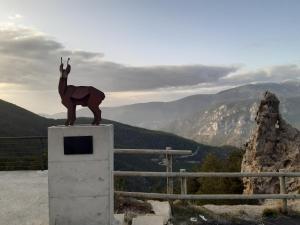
x,y
64,72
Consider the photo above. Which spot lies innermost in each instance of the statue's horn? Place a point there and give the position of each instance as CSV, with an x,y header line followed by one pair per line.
x,y
68,61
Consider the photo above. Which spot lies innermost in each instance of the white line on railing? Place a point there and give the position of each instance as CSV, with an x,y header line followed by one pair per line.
x,y
205,174
204,196
152,151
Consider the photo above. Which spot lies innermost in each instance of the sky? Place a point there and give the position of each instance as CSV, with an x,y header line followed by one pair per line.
x,y
141,51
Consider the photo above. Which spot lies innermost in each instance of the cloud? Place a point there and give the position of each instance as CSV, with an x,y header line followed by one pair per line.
x,y
279,73
29,74
31,59
15,17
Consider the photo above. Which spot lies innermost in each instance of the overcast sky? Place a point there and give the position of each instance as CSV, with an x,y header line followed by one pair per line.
x,y
140,51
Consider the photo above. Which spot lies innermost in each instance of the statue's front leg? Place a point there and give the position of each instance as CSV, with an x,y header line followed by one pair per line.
x,y
73,115
67,122
69,116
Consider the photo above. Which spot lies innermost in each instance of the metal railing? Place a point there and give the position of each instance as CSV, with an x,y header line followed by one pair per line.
x,y
23,153
168,162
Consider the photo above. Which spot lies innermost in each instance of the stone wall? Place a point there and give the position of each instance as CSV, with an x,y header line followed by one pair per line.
x,y
80,185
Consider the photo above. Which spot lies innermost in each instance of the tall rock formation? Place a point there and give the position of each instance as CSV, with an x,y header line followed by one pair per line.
x,y
274,145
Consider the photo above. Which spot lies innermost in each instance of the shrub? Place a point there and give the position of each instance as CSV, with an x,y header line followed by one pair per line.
x,y
218,185
270,212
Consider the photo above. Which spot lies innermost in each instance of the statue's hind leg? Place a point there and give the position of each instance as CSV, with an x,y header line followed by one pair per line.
x,y
97,114
94,113
93,104
98,117
98,111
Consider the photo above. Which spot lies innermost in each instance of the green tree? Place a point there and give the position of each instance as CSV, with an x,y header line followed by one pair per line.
x,y
217,185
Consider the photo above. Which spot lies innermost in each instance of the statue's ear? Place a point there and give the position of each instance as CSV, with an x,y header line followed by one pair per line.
x,y
68,69
61,68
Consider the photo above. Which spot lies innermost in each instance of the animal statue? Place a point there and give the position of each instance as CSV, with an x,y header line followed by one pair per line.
x,y
71,96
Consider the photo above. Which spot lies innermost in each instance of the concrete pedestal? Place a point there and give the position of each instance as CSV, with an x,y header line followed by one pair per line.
x,y
81,185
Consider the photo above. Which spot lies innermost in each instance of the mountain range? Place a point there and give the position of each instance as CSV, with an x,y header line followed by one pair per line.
x,y
16,121
224,118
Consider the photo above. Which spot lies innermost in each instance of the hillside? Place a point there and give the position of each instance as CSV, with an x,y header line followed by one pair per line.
x,y
16,121
229,123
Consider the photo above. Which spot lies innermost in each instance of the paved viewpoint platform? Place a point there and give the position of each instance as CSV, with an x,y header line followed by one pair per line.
x,y
80,179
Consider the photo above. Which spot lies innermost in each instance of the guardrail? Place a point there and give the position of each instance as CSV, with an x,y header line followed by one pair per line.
x,y
183,175
23,153
168,152
205,174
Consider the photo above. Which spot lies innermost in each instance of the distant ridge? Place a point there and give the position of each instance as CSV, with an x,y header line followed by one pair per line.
x,y
225,118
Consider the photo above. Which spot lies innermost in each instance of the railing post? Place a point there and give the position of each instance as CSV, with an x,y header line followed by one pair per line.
x,y
283,191
183,183
41,160
169,165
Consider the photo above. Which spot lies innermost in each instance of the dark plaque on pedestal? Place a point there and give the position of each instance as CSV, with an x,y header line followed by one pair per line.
x,y
78,145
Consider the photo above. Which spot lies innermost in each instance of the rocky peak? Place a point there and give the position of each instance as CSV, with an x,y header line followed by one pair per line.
x,y
274,145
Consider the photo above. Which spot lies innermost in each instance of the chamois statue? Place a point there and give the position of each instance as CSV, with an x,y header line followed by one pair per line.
x,y
71,96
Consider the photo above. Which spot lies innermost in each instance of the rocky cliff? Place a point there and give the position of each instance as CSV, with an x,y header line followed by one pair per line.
x,y
228,118
273,146
222,124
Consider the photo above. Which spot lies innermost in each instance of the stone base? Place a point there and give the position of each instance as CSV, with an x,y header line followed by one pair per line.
x,y
81,185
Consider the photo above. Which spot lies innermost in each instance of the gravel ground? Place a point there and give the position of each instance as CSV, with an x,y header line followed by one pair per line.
x,y
24,198
254,212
